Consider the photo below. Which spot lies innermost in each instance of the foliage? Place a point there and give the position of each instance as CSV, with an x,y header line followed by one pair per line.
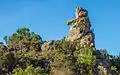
x,y
29,70
7,60
24,43
63,58
66,55
22,55
21,47
113,68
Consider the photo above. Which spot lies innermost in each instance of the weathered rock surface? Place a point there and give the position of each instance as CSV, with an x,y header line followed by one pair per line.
x,y
47,45
104,62
81,29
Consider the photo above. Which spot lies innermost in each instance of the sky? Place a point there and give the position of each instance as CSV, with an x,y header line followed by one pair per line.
x,y
48,19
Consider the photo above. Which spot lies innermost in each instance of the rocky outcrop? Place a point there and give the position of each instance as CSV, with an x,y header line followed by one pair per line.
x,y
82,36
47,45
81,28
81,32
104,63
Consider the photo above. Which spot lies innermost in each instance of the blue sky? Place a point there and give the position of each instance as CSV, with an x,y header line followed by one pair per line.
x,y
48,18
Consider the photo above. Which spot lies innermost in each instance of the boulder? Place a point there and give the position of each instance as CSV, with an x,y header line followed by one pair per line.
x,y
47,45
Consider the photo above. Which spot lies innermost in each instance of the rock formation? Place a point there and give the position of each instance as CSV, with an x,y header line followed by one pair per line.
x,y
82,36
81,28
47,45
81,32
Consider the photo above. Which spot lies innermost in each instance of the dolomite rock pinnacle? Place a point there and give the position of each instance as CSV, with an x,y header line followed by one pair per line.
x,y
80,29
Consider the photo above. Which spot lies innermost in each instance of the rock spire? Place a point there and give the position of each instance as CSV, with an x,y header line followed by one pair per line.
x,y
80,29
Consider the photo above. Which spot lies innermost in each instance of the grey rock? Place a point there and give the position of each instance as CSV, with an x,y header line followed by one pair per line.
x,y
81,30
47,45
74,34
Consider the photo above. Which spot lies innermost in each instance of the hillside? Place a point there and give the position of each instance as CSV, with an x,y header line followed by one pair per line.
x,y
25,53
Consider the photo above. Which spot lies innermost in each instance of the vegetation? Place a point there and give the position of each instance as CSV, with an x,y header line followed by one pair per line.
x,y
23,54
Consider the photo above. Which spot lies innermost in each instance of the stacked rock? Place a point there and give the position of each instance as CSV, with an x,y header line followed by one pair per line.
x,y
81,29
